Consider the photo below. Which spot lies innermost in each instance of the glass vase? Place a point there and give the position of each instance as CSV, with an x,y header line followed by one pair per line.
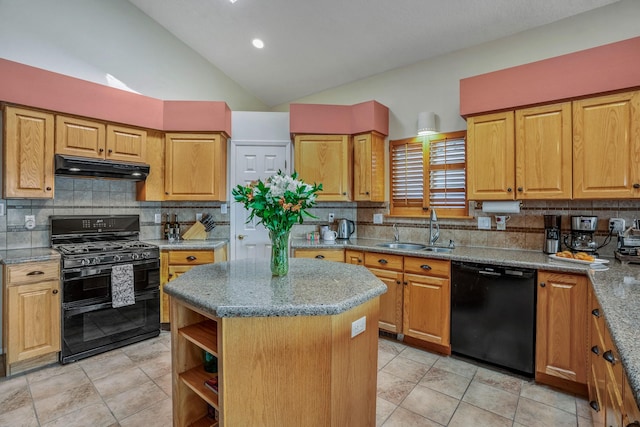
x,y
279,252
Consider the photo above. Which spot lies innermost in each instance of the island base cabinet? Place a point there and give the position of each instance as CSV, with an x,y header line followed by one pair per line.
x,y
276,371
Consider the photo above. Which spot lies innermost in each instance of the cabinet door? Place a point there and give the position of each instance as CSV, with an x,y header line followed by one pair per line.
x,y
353,257
323,254
152,188
79,137
543,152
368,167
390,302
195,166
561,327
33,320
325,159
426,308
490,157
606,147
597,372
631,411
126,144
28,154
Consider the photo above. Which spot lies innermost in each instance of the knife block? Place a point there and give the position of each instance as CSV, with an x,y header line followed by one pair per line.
x,y
196,232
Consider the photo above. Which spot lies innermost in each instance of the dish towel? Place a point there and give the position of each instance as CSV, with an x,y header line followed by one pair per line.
x,y
122,289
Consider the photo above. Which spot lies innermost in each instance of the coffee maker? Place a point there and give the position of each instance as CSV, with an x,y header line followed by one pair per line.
x,y
581,237
552,233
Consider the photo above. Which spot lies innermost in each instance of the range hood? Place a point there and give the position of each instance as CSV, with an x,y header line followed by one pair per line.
x,y
85,167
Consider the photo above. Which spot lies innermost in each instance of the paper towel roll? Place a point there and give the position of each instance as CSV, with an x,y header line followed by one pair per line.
x,y
501,207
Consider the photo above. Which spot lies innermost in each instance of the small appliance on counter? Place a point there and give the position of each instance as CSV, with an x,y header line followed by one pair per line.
x,y
552,233
628,250
346,227
581,237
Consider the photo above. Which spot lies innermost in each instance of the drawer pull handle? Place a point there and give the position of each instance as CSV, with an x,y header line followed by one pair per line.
x,y
191,258
55,291
609,357
425,267
320,256
636,185
595,312
595,350
35,273
383,261
594,405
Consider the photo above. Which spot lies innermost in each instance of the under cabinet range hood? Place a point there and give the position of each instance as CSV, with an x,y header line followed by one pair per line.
x,y
85,167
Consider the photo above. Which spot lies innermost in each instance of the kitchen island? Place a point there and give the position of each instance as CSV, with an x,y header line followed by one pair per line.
x,y
291,351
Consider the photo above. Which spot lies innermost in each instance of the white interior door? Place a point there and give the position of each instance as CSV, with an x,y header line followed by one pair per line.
x,y
252,162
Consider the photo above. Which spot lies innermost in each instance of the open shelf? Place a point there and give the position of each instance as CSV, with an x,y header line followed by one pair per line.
x,y
195,378
203,334
205,422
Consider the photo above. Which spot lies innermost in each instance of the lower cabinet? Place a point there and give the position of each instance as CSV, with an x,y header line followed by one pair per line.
x,y
388,268
324,254
175,262
31,315
561,330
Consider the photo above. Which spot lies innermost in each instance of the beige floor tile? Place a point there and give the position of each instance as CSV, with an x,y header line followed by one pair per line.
x,y
158,415
404,418
165,383
499,380
492,399
63,381
23,416
585,422
430,404
384,408
406,369
395,347
157,366
96,415
549,396
14,394
468,415
106,364
385,356
52,371
535,414
146,351
135,399
445,382
457,366
582,408
65,402
392,388
421,356
120,382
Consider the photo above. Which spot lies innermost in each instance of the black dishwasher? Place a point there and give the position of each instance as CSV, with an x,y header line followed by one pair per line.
x,y
493,314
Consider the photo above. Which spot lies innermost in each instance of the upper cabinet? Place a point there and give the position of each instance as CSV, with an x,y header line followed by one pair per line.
x,y
28,153
195,166
87,138
368,167
325,159
606,150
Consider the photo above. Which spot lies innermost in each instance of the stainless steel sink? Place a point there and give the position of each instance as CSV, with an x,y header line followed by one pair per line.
x,y
440,249
400,245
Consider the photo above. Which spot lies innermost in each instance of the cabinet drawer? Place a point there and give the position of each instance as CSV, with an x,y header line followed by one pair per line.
x,y
325,254
32,272
191,257
380,260
430,266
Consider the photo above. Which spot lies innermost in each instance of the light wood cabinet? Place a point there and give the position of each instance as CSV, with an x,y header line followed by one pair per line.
x,y
325,159
427,300
28,154
354,257
175,262
93,139
152,189
322,254
543,152
368,167
31,315
195,166
561,330
606,147
388,268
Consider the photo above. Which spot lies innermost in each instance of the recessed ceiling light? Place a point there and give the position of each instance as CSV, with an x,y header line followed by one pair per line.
x,y
258,43
233,1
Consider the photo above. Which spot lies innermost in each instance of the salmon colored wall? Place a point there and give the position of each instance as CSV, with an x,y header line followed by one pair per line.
x,y
604,68
33,87
339,119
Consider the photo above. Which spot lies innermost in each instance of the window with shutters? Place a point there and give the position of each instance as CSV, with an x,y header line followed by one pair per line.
x,y
429,172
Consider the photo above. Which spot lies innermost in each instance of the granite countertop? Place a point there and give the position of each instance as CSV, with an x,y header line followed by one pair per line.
x,y
617,289
246,288
18,256
188,244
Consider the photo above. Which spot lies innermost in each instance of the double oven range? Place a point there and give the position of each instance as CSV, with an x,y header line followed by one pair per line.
x,y
90,247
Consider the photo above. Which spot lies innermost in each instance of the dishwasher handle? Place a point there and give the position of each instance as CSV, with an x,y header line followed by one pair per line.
x,y
489,273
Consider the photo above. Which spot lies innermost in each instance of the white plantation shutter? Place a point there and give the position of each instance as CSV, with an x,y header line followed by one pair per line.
x,y
447,175
407,174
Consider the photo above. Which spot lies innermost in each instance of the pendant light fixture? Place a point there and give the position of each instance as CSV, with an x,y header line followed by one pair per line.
x,y
427,123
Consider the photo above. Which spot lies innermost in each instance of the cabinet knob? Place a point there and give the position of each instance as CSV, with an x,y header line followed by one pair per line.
x,y
425,267
48,188
101,150
596,312
595,350
241,236
594,405
636,185
509,190
397,282
191,258
406,283
166,192
359,260
55,291
542,284
344,193
110,151
35,273
382,261
366,192
634,424
319,256
609,357
520,189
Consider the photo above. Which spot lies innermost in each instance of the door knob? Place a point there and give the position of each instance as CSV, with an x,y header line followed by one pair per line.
x,y
241,236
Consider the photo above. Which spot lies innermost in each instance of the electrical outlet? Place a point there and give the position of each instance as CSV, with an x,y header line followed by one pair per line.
x,y
30,222
378,218
331,217
358,326
198,216
484,223
158,219
223,208
616,225
2,209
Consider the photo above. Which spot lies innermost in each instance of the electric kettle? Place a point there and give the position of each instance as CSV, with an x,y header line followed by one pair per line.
x,y
346,228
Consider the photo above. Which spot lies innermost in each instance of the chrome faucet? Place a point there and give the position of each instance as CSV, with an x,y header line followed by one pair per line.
x,y
434,228
396,233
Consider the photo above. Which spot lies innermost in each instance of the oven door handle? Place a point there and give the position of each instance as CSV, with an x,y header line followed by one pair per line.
x,y
84,272
69,312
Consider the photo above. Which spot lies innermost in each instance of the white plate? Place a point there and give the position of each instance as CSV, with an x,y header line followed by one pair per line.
x,y
579,261
597,266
